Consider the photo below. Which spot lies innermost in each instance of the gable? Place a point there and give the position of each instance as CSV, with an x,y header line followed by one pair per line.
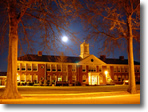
x,y
92,60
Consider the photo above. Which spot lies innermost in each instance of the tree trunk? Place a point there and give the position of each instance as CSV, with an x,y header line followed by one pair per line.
x,y
11,91
132,84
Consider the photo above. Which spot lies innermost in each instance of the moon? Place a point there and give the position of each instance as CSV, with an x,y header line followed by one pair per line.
x,y
64,39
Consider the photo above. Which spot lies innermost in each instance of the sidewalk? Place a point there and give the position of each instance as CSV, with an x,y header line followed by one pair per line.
x,y
78,98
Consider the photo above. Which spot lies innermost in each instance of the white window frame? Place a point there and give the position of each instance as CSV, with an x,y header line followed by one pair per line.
x,y
54,65
33,67
27,66
60,67
22,66
47,67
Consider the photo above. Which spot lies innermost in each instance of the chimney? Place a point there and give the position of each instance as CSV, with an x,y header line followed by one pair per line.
x,y
103,57
39,53
121,57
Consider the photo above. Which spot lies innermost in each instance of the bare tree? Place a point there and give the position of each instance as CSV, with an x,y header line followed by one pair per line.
x,y
114,23
45,17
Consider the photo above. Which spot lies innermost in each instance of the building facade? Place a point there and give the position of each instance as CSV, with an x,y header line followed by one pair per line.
x,y
86,69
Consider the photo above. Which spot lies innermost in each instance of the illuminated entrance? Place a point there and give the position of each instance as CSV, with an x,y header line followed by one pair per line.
x,y
93,78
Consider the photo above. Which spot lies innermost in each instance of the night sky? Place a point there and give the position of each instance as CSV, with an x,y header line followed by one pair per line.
x,y
75,46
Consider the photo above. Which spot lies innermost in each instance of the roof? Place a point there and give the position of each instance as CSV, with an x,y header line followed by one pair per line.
x,y
50,58
118,61
3,73
68,59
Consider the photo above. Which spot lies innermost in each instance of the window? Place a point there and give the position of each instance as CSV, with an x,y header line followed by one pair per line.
x,y
126,69
138,69
29,78
29,67
84,78
74,68
35,78
35,67
59,68
73,78
48,67
92,68
119,69
83,68
100,68
115,77
64,78
54,79
23,77
126,77
23,66
119,77
122,69
18,66
59,78
64,68
115,69
54,67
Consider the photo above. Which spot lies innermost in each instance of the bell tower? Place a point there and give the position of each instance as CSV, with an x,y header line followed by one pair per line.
x,y
84,50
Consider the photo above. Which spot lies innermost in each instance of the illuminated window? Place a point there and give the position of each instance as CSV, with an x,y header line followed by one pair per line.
x,y
29,66
35,78
29,78
64,68
18,66
48,67
59,78
83,68
35,67
59,68
84,78
23,77
126,77
23,66
74,68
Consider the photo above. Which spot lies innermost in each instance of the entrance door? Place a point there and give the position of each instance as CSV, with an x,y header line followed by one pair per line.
x,y
94,80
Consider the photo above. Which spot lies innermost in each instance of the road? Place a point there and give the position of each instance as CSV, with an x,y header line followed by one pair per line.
x,y
69,89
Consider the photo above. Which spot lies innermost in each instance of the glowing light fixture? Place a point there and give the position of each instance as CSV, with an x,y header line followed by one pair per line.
x,y
64,39
106,72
